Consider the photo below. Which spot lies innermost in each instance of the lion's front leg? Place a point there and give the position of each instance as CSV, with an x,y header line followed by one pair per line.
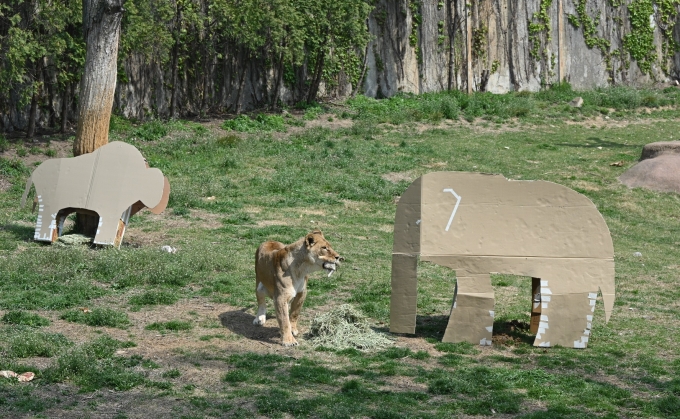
x,y
281,306
295,308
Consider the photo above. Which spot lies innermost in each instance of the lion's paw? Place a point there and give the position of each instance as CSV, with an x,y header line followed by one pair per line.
x,y
259,320
291,342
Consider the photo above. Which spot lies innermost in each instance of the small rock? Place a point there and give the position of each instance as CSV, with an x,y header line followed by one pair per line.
x,y
577,102
649,317
507,148
637,254
599,148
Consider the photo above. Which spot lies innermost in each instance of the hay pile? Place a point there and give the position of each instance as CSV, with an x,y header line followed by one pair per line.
x,y
345,327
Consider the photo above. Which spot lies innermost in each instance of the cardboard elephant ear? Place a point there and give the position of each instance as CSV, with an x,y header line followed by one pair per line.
x,y
479,224
109,182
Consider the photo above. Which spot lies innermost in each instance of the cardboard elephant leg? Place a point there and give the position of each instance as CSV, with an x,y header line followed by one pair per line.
x,y
472,313
573,317
46,225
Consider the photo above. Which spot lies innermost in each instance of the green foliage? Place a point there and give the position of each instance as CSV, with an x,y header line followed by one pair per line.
x,y
24,318
4,144
97,317
150,131
640,42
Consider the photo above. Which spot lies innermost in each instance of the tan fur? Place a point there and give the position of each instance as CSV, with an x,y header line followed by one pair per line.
x,y
281,273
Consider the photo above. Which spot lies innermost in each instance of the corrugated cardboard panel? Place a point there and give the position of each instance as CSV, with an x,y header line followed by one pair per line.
x,y
407,221
404,293
478,224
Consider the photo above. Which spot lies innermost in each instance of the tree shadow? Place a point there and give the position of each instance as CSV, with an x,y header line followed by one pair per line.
x,y
241,323
594,142
19,232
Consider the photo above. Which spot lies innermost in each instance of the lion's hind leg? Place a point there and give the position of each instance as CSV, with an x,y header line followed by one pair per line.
x,y
262,294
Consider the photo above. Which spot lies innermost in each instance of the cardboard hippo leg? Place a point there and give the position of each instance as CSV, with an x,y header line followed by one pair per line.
x,y
472,314
573,315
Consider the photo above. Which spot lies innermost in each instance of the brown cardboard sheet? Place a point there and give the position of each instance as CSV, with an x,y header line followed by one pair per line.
x,y
114,181
479,224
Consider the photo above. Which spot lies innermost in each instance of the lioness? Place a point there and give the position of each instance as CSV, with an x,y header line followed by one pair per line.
x,y
281,273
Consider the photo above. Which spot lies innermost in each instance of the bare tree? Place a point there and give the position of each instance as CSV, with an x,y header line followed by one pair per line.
x,y
101,29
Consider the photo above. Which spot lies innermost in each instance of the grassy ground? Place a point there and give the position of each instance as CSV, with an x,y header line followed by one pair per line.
x,y
136,331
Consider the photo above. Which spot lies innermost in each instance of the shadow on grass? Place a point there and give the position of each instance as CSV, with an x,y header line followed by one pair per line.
x,y
241,323
594,142
20,232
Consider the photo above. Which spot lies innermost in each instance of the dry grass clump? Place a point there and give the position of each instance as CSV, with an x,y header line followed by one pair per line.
x,y
345,327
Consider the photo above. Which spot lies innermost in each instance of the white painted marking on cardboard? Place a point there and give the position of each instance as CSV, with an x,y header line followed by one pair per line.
x,y
589,318
592,302
544,318
544,283
584,339
489,328
545,298
541,330
592,295
545,291
589,325
544,344
418,222
544,305
578,344
491,313
543,325
586,332
592,309
538,336
453,214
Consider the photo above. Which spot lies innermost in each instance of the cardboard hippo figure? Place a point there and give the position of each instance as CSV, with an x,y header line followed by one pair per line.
x,y
113,182
479,224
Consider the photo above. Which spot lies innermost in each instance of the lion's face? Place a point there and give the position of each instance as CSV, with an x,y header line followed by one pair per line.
x,y
321,253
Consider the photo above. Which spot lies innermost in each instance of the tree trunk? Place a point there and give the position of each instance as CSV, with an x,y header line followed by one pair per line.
x,y
64,107
174,64
318,68
101,29
33,114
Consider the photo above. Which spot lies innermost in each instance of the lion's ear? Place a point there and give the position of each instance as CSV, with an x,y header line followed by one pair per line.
x,y
310,240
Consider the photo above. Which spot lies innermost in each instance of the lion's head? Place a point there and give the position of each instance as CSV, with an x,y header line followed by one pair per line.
x,y
321,253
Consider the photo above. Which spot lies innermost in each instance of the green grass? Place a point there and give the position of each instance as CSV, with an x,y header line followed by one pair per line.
x,y
171,326
98,317
25,318
278,186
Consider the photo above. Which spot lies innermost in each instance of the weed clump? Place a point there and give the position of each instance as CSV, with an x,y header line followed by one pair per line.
x,y
344,327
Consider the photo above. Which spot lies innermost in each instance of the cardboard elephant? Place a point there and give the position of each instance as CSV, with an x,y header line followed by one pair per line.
x,y
112,182
479,224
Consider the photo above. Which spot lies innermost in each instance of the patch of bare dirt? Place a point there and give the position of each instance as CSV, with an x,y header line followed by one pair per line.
x,y
396,177
4,184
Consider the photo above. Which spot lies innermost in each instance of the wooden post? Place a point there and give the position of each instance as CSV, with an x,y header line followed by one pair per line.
x,y
535,304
